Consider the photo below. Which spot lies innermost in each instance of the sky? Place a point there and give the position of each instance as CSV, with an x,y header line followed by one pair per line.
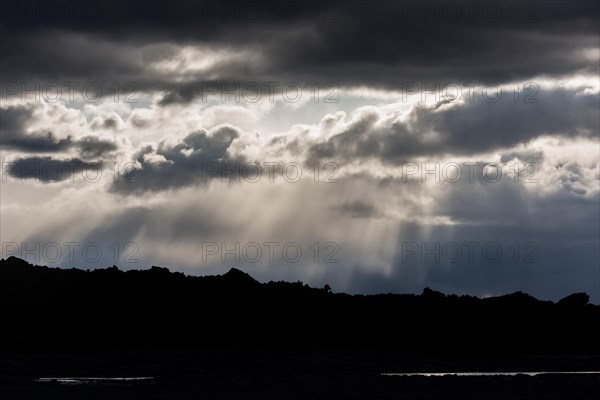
x,y
381,146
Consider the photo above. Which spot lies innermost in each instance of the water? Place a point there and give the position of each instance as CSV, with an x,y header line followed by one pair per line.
x,y
116,380
528,373
93,380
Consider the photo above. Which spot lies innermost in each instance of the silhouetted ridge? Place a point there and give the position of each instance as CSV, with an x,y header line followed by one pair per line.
x,y
52,308
234,275
433,295
14,263
575,300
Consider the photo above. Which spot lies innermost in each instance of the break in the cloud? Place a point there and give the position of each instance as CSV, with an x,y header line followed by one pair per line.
x,y
156,109
370,133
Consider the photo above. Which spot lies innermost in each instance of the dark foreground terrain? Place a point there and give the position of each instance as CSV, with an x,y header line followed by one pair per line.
x,y
231,337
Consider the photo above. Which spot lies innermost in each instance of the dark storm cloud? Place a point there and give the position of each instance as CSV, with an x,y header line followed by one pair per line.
x,y
93,147
176,19
462,129
195,159
109,123
379,44
38,142
358,209
14,119
13,122
14,136
529,155
48,169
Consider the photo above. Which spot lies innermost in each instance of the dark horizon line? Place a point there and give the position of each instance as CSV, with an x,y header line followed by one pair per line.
x,y
237,271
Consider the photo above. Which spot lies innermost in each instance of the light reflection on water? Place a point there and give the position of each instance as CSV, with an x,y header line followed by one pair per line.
x,y
536,373
116,380
92,380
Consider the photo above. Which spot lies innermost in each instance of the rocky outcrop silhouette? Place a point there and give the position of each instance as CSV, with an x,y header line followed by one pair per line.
x,y
53,309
